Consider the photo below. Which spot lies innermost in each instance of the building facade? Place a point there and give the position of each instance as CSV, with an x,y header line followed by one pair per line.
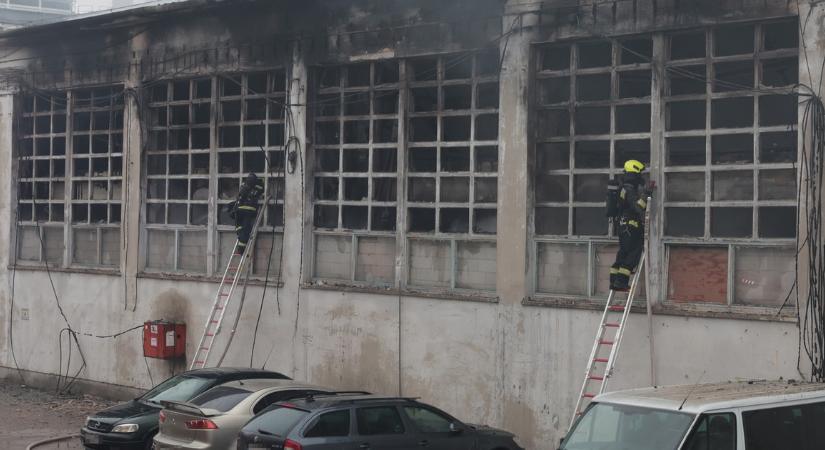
x,y
436,176
20,13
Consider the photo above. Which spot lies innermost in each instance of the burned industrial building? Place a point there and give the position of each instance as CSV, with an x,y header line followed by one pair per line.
x,y
435,174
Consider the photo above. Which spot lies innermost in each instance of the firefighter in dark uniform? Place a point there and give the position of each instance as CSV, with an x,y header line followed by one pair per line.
x,y
245,209
631,205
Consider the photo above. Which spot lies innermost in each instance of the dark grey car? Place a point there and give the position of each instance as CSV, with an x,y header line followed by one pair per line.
x,y
366,422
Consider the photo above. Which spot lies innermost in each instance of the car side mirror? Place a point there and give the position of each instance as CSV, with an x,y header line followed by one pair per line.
x,y
455,429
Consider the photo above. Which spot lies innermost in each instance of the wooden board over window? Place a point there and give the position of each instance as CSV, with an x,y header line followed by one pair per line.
x,y
698,274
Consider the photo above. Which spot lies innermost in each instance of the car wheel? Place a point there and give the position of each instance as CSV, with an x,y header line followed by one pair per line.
x,y
150,442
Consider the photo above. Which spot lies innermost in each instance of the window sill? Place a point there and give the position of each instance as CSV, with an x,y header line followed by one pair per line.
x,y
445,294
201,278
705,311
84,270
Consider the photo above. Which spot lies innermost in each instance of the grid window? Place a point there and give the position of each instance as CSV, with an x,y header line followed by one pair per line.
x,y
594,113
731,142
206,134
70,172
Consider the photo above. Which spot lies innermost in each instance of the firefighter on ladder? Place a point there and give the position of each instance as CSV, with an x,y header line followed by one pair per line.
x,y
245,209
626,205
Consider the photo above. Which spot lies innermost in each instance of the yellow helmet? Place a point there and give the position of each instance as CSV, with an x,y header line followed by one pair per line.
x,y
633,166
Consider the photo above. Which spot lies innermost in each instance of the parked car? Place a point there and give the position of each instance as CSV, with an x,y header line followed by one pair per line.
x,y
213,419
132,425
356,422
723,416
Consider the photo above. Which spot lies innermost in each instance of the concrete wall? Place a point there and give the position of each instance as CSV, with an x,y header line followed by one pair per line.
x,y
502,363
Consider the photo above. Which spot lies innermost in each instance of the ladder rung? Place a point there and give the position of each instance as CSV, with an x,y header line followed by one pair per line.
x,y
600,360
612,325
603,342
596,378
219,308
213,321
198,362
204,348
210,334
224,295
588,395
617,308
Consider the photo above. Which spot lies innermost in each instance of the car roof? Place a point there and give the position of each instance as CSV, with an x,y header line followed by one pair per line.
x,y
698,398
259,384
316,402
234,373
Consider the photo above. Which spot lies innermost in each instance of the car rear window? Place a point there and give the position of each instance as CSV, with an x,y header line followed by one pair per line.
x,y
221,398
278,421
179,388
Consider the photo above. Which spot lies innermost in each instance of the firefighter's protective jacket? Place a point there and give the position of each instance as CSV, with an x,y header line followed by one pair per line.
x,y
249,195
633,199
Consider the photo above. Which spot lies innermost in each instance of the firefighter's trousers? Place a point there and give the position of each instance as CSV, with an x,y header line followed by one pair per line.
x,y
244,220
631,245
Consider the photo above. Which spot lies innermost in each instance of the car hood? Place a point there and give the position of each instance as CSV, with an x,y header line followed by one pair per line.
x,y
128,410
487,430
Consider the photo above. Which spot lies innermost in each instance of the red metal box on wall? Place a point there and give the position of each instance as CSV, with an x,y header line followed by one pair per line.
x,y
164,340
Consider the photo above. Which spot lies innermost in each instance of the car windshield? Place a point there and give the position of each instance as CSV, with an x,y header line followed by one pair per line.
x,y
180,388
221,398
278,421
621,427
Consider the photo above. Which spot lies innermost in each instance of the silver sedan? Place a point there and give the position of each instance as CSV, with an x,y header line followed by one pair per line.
x,y
213,419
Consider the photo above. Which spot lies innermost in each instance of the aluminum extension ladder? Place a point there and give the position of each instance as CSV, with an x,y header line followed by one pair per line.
x,y
238,263
605,349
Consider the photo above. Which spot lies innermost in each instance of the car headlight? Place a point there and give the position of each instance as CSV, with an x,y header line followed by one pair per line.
x,y
125,428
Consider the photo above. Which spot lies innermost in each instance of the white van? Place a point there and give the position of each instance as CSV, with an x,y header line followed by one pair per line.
x,y
756,415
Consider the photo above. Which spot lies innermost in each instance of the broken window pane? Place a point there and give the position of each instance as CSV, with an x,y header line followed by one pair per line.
x,y
554,90
458,97
688,115
554,122
200,138
455,159
636,50
777,222
454,220
253,136
778,110
632,118
328,105
551,221
356,131
488,62
553,188
553,156
593,87
385,102
178,190
777,184
356,189
780,72
203,88
685,187
356,160
484,221
486,127
357,104
455,128
156,189
155,213
595,54
229,137
731,222
634,84
384,160
455,189
486,190
555,58
358,75
764,276
326,216
592,154
487,95
383,189
638,149
589,188
589,221
458,66
424,69
423,159
424,99
733,76
423,129
255,110
386,72
688,151
326,188
733,40
421,189
732,149
732,185
230,111
421,220
228,188
592,120
383,218
385,131
228,162
687,45
780,35
486,159
354,217
685,222
732,112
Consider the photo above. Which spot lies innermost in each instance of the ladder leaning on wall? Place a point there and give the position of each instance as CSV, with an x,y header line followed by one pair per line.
x,y
237,265
605,349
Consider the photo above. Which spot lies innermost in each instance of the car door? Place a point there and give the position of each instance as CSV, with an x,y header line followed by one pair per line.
x,y
331,430
437,431
381,428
